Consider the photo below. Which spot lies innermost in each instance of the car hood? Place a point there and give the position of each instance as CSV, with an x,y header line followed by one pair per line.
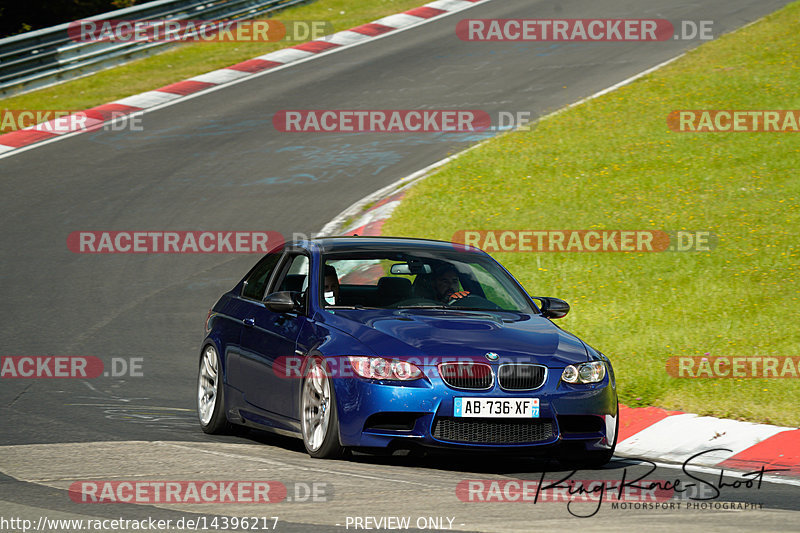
x,y
444,334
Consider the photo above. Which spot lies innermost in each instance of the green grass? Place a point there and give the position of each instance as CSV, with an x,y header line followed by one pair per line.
x,y
612,163
193,59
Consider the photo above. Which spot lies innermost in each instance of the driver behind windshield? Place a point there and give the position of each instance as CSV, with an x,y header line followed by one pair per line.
x,y
447,285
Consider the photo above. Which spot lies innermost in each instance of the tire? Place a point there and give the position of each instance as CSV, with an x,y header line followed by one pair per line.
x,y
210,395
589,459
318,414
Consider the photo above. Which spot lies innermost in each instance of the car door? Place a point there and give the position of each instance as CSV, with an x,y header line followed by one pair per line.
x,y
269,337
237,310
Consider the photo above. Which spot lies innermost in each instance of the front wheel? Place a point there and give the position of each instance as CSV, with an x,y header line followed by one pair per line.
x,y
320,421
210,400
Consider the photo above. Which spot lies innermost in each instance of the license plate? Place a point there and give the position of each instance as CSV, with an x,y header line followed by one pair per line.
x,y
496,407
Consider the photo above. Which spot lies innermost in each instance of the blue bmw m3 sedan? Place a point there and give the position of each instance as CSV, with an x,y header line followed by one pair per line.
x,y
381,343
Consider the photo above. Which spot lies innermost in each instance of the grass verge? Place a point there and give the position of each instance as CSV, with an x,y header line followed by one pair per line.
x,y
193,59
612,163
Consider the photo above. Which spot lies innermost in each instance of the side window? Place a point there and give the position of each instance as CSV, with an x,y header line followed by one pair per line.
x,y
294,277
256,284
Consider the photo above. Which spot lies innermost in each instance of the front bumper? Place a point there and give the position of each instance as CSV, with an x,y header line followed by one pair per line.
x,y
383,414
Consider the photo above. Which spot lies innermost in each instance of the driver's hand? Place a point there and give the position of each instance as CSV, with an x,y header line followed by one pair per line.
x,y
458,295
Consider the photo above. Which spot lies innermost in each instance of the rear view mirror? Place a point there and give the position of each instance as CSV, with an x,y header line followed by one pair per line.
x,y
552,307
410,268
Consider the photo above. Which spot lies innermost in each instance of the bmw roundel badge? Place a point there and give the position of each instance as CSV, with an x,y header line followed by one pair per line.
x,y
491,356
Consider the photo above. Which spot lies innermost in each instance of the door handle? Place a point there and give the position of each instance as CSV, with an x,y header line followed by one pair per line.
x,y
249,322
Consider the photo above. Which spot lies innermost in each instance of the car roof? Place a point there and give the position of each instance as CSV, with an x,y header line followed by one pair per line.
x,y
357,243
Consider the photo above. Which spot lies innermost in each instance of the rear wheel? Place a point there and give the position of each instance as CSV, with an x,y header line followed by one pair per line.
x,y
210,400
320,421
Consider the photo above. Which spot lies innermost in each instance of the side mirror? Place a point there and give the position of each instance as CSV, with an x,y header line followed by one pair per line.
x,y
281,302
552,307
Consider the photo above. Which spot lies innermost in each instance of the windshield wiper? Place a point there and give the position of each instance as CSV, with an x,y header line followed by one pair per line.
x,y
485,309
422,306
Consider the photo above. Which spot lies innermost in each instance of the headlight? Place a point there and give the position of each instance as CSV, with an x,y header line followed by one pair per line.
x,y
380,368
593,372
570,374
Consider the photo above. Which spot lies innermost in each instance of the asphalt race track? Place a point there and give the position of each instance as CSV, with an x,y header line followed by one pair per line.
x,y
215,162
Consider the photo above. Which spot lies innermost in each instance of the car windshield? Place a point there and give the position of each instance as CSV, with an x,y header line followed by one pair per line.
x,y
419,279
